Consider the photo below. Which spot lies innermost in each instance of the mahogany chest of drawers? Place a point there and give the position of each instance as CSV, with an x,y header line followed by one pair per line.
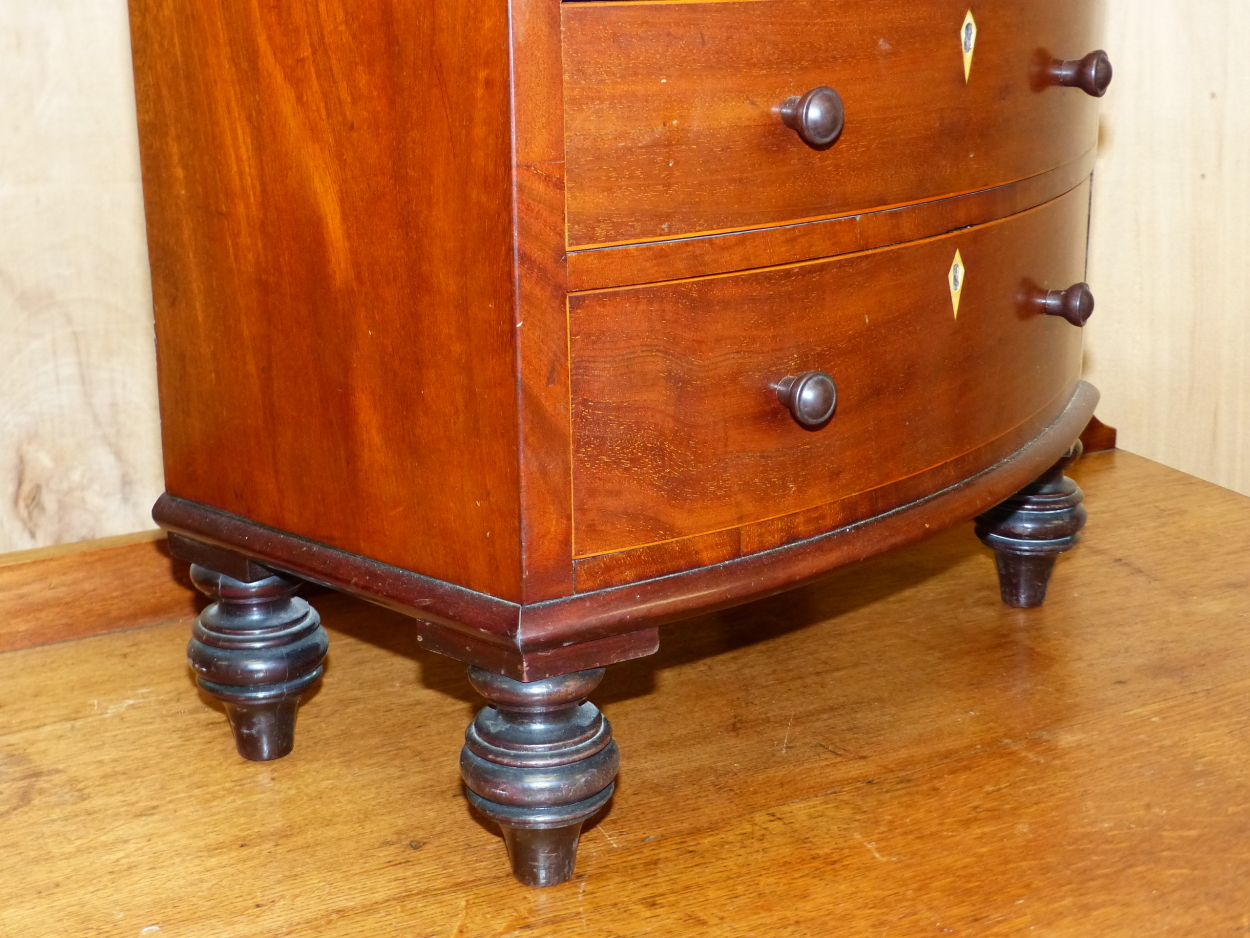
x,y
551,323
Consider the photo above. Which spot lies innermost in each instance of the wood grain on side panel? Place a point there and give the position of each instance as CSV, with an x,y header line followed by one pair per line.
x,y
328,189
677,427
672,108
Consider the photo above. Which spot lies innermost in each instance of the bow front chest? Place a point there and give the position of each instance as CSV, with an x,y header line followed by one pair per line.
x,y
552,323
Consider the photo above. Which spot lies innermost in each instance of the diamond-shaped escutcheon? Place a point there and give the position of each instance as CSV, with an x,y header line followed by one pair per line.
x,y
968,42
956,279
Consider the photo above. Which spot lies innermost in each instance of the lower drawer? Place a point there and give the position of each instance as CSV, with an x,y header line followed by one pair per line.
x,y
677,426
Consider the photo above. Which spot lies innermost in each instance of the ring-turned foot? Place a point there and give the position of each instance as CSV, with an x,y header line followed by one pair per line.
x,y
1031,529
256,648
539,761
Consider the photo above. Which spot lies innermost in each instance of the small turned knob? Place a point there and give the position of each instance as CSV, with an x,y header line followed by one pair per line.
x,y
811,397
1091,74
817,116
1075,304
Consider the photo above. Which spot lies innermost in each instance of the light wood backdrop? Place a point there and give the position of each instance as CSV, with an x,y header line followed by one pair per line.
x,y
79,443
1169,345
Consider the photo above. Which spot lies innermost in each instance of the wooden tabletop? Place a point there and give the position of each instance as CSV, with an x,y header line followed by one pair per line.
x,y
889,752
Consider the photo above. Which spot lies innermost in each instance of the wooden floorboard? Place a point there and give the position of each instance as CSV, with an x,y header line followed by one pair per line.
x,y
889,752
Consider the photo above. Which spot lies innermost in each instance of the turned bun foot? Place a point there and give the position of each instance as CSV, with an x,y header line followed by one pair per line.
x,y
256,648
1031,529
539,761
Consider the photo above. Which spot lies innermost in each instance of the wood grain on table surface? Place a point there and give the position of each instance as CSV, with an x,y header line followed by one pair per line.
x,y
890,751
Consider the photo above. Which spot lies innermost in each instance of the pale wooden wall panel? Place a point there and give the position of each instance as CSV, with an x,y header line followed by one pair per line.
x,y
1170,258
79,432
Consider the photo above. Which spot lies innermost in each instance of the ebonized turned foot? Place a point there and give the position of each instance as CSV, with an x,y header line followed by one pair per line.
x,y
1031,529
256,648
539,761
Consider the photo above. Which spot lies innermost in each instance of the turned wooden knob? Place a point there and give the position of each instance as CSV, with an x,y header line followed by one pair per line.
x,y
810,397
1075,304
1091,74
817,116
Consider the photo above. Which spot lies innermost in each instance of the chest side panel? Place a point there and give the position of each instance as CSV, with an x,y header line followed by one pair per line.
x,y
328,190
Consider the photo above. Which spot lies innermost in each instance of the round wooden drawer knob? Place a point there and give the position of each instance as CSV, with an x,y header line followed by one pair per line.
x,y
810,397
1091,74
1075,304
817,116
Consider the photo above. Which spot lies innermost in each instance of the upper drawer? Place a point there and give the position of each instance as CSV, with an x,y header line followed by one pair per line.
x,y
672,124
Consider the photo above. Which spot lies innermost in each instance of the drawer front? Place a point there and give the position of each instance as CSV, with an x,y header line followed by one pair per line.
x,y
677,427
672,124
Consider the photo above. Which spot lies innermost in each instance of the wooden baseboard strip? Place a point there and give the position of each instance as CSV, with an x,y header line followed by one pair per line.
x,y
72,591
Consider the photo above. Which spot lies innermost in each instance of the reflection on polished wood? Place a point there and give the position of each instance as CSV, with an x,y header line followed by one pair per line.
x,y
890,749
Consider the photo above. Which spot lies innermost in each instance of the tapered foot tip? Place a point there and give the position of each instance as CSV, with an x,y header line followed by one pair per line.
x,y
263,732
542,857
1023,578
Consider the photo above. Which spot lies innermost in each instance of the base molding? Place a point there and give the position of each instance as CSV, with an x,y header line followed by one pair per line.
x,y
591,630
